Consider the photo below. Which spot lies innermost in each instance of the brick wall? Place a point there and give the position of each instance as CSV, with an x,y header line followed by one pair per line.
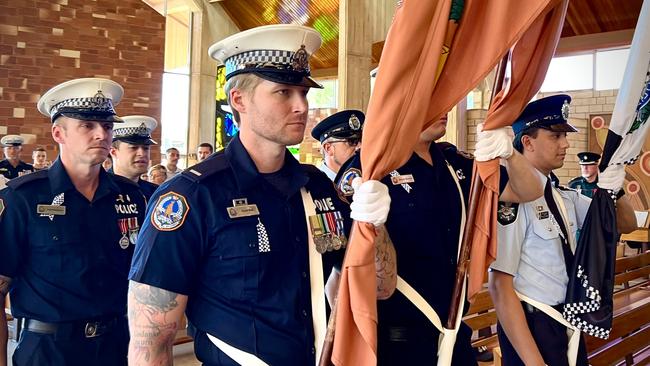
x,y
584,104
46,42
310,147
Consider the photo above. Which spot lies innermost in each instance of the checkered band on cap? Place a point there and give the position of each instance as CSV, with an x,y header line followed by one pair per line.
x,y
136,131
96,104
264,59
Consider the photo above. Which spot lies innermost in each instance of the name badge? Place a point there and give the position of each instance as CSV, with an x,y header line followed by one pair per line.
x,y
402,179
542,215
241,208
50,210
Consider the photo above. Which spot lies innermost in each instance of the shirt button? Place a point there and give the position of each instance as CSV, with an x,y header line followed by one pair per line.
x,y
298,239
55,238
304,313
313,350
304,275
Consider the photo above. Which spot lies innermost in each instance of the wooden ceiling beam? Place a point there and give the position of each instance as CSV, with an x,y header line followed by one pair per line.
x,y
589,42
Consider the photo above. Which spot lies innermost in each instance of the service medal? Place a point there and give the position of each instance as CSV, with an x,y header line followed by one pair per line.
x,y
124,242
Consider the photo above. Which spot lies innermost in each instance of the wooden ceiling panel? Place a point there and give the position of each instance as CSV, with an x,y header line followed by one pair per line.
x,y
584,17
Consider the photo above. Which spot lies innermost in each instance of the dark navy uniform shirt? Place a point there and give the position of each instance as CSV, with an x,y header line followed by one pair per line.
x,y
424,223
67,264
10,172
147,188
246,277
583,186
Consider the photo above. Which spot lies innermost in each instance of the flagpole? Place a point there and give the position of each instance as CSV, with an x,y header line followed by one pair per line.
x,y
477,186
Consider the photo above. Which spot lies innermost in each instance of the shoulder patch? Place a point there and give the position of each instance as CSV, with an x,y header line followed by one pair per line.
x,y
23,179
215,163
345,183
170,212
507,212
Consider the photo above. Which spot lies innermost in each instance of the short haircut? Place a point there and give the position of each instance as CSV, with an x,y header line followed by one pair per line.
x,y
39,148
205,144
244,82
172,149
157,167
517,144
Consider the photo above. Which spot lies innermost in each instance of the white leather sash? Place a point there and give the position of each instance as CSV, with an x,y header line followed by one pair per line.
x,y
572,332
317,299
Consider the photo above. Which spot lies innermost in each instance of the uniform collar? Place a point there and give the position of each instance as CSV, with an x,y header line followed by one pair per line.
x,y
246,173
60,181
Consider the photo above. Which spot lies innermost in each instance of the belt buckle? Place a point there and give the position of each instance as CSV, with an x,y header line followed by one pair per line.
x,y
91,329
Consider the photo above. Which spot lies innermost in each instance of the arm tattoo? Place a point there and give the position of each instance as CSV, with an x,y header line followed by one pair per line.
x,y
153,321
385,264
4,285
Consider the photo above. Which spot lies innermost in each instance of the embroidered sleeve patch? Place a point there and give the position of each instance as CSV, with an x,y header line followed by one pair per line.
x,y
507,212
345,184
170,212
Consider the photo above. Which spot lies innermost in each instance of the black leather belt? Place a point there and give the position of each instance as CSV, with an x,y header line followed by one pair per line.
x,y
88,329
530,309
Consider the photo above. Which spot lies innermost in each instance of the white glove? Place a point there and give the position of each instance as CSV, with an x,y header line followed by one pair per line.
x,y
370,202
612,178
493,144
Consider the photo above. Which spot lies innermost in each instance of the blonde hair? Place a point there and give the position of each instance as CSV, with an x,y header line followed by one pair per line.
x,y
245,83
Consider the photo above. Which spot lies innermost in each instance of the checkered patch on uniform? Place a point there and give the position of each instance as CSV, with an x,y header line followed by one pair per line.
x,y
573,312
170,212
507,212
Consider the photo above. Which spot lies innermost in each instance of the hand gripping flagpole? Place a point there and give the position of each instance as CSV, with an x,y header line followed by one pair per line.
x,y
448,336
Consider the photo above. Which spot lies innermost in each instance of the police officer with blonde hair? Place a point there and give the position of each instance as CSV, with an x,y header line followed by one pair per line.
x,y
243,241
68,237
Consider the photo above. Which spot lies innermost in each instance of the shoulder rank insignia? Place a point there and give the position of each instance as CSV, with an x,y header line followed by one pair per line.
x,y
170,212
345,184
507,212
465,154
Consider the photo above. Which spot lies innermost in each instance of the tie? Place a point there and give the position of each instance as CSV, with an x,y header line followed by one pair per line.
x,y
552,205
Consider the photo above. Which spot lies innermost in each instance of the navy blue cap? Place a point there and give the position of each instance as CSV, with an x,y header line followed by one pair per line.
x,y
342,125
550,113
588,158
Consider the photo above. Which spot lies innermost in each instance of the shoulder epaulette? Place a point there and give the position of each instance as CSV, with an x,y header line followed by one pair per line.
x,y
565,188
124,180
577,179
207,167
24,179
450,151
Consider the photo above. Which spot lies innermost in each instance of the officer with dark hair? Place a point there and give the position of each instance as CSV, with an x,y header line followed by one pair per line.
x,y
339,136
131,150
11,166
536,243
68,237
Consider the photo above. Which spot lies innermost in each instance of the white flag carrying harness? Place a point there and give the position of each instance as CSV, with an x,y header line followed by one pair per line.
x,y
317,299
447,337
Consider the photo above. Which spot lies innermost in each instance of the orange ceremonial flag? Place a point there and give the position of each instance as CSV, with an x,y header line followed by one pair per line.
x,y
406,100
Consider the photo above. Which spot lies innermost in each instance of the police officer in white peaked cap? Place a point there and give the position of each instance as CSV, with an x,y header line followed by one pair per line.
x,y
73,228
228,241
11,166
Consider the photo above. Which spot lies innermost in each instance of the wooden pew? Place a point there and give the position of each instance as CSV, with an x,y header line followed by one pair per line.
x,y
629,341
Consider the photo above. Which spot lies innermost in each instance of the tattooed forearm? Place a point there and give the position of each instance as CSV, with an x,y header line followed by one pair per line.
x,y
4,285
385,264
154,315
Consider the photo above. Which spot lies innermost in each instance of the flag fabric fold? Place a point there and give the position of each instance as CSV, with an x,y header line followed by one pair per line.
x,y
589,301
407,98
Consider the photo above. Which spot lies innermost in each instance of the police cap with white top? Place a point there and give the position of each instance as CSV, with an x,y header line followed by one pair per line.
x,y
135,130
12,140
278,53
87,99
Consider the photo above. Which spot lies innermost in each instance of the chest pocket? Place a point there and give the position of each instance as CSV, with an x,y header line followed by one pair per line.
x,y
544,228
237,257
56,249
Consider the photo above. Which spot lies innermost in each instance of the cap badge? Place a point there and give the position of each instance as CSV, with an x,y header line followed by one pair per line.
x,y
354,122
300,60
565,110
